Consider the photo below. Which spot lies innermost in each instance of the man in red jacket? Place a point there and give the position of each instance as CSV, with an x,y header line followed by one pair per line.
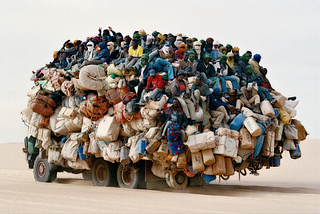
x,y
154,86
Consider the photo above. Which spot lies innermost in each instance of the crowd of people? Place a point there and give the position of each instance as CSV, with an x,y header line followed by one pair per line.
x,y
197,74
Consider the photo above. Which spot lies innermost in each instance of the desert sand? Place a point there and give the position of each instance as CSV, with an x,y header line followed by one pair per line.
x,y
294,187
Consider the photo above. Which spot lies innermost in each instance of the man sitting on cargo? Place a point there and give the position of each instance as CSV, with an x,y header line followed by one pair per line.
x,y
141,76
154,86
218,109
200,94
132,61
249,96
180,91
207,71
174,114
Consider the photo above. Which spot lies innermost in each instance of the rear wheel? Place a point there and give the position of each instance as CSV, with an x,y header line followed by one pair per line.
x,y
42,171
103,173
131,177
178,181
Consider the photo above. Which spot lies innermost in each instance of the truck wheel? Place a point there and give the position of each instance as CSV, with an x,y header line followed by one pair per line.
x,y
168,180
130,177
178,181
103,173
42,171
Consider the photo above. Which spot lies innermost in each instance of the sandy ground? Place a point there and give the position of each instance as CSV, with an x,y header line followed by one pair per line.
x,y
292,188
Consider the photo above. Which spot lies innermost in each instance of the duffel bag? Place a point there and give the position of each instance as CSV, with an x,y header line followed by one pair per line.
x,y
43,105
108,129
112,96
94,107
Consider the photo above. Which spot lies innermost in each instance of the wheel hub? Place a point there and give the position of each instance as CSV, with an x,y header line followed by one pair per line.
x,y
41,169
127,176
180,178
101,174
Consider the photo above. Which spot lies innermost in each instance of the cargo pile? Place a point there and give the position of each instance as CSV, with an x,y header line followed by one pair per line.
x,y
188,107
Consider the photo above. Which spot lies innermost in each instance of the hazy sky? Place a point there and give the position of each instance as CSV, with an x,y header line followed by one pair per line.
x,y
285,33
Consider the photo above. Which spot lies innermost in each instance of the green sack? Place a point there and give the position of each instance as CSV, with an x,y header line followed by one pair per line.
x,y
31,145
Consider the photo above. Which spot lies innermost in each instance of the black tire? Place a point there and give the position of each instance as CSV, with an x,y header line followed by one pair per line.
x,y
243,172
225,177
87,175
131,177
179,181
42,171
103,173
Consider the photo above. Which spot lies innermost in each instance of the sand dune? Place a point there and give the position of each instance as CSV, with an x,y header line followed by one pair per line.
x,y
292,188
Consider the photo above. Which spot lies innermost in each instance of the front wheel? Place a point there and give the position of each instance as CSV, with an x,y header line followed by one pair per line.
x,y
103,173
130,177
42,171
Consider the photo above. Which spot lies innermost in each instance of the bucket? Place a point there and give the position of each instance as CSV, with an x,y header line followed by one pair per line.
x,y
252,127
237,122
207,156
208,178
267,109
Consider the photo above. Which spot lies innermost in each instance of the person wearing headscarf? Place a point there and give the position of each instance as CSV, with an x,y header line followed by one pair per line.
x,y
185,65
264,80
180,91
91,53
223,50
141,76
197,49
166,52
235,50
244,61
193,62
255,63
199,89
159,40
256,80
114,54
218,109
209,40
189,43
207,71
171,40
208,50
178,41
179,53
228,74
249,96
216,50
229,48
140,41
149,45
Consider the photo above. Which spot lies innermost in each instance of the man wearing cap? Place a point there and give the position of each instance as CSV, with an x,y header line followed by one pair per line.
x,y
155,86
180,91
200,94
